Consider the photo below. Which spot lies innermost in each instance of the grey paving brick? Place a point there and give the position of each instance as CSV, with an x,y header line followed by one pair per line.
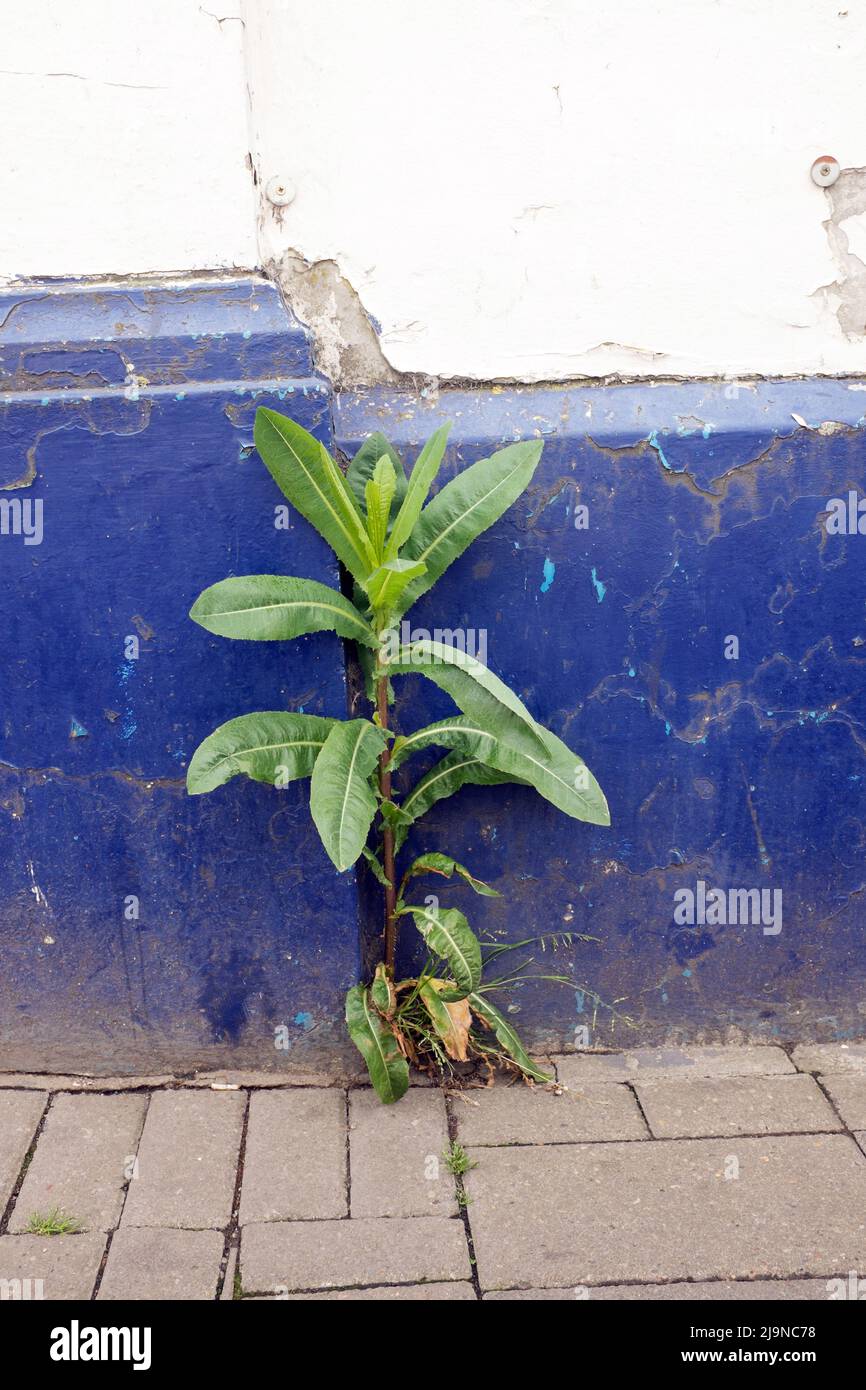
x,y
667,1062
848,1090
295,1163
38,1081
400,1293
397,1164
563,1215
150,1264
523,1115
187,1160
58,1267
20,1113
82,1159
830,1057
306,1255
735,1105
747,1290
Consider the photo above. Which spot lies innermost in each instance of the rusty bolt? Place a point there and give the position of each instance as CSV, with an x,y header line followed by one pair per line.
x,y
825,170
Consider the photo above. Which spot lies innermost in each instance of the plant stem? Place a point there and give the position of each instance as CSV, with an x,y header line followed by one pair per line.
x,y
387,832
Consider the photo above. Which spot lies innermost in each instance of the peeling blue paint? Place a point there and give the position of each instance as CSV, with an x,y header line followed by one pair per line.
x,y
600,588
549,570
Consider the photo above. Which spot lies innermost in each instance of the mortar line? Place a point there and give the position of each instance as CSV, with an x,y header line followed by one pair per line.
x,y
462,1207
231,1233
97,1283
25,1164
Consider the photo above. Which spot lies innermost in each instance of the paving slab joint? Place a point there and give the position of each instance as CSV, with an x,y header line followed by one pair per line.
x,y
6,1215
462,1197
232,1230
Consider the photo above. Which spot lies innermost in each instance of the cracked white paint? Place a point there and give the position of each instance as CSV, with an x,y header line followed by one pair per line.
x,y
124,139
546,188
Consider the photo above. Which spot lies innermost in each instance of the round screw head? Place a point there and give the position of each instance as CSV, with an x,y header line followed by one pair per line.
x,y
280,191
825,170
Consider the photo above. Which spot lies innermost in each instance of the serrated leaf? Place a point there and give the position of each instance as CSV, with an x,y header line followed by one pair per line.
x,y
375,1040
379,494
448,935
483,1009
425,470
556,773
341,801
360,470
276,607
451,1019
270,746
385,585
465,507
305,472
444,865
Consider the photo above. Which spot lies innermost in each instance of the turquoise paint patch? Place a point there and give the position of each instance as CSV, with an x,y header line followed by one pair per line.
x,y
653,442
77,730
600,589
304,1021
549,575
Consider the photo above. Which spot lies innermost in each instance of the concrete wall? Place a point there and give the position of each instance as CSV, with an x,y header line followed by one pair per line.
x,y
535,190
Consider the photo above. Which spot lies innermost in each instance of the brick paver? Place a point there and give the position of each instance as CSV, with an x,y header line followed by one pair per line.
x,y
665,1063
735,1105
747,1290
848,1090
523,1115
67,1266
397,1156
82,1160
298,1255
295,1165
573,1198
670,1209
20,1114
145,1263
830,1057
399,1293
187,1160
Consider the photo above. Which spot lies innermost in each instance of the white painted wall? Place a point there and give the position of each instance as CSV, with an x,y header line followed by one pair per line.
x,y
546,188
515,188
124,130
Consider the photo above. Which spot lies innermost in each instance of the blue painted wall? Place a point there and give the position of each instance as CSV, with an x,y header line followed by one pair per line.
x,y
127,412
705,507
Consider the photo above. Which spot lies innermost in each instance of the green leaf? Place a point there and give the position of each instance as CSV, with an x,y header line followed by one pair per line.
x,y
376,867
275,607
556,773
465,507
506,1035
444,865
425,470
341,801
272,746
449,936
473,688
305,472
385,585
379,494
360,470
382,991
375,1040
447,777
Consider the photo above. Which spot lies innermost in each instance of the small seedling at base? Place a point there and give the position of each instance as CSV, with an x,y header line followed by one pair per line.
x,y
52,1223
